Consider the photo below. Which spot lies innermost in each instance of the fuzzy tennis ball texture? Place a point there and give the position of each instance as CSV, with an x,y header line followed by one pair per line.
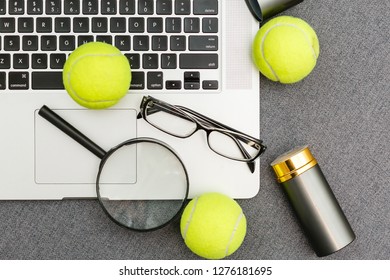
x,y
97,75
213,226
286,49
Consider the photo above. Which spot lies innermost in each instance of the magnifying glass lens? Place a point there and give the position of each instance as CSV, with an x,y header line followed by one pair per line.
x,y
142,184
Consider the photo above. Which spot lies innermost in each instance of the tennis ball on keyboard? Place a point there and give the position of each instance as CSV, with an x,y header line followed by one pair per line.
x,y
285,49
97,75
213,226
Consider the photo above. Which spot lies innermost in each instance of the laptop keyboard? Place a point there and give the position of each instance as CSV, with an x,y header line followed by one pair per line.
x,y
170,44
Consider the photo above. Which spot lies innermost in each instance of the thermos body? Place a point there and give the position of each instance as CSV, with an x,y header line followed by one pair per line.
x,y
313,201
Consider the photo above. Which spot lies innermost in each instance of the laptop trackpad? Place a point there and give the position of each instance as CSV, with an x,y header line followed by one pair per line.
x,y
61,160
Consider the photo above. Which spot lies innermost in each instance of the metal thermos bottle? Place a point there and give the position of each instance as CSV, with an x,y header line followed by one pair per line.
x,y
313,201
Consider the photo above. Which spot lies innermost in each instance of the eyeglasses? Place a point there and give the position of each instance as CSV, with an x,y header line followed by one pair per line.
x,y
183,122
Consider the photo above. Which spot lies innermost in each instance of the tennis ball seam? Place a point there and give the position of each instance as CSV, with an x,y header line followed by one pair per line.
x,y
189,219
233,233
71,69
278,25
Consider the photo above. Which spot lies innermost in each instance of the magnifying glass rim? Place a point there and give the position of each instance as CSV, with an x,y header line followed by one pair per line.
x,y
130,142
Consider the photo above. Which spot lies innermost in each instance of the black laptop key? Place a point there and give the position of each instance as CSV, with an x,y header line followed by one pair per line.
x,y
35,7
57,60
2,7
25,25
182,7
118,25
7,25
198,61
39,60
145,7
44,25
20,61
127,7
173,84
16,7
81,40
2,80
80,25
99,25
49,43
62,25
72,7
90,7
11,43
67,43
5,61
203,43
53,7
164,7
137,80
47,80
108,7
155,80
30,43
205,7
18,80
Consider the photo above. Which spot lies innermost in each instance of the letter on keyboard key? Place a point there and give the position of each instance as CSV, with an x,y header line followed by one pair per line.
x,y
198,61
47,80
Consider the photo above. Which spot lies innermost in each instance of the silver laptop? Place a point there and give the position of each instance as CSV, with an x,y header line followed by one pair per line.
x,y
193,53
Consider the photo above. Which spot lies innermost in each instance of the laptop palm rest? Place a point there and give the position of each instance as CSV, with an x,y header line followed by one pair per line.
x,y
61,160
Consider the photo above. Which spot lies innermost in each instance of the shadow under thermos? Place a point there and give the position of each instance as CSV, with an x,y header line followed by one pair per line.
x,y
313,201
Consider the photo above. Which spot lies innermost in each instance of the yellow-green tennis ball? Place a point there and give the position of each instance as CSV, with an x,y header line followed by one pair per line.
x,y
286,49
97,75
213,226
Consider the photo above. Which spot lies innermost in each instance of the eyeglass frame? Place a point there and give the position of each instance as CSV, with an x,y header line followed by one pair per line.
x,y
208,125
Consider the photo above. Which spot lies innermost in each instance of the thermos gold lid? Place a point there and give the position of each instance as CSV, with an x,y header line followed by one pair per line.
x,y
293,163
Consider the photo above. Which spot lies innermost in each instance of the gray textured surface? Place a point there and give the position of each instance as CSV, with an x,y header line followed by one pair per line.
x,y
341,110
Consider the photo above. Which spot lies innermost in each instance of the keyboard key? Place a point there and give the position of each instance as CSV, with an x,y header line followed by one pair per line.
x,y
155,80
127,7
191,80
2,77
159,43
191,25
49,43
104,39
47,80
2,7
168,61
11,43
62,25
210,84
25,25
118,25
123,43
150,61
182,7
20,61
53,7
136,25
71,7
178,43
57,60
7,25
67,43
198,61
99,25
145,7
90,7
44,25
80,25
173,25
134,60
39,61
108,7
141,43
137,80
173,84
155,25
5,61
18,80
164,7
30,43
205,7
210,25
203,43
35,7
16,7
81,40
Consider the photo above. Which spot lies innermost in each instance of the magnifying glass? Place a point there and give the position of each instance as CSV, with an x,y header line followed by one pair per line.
x,y
141,184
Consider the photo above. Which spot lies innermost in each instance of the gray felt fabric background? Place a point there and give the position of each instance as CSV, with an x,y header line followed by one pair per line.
x,y
341,110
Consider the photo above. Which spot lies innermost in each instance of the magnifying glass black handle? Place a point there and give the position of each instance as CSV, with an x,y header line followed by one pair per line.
x,y
71,131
